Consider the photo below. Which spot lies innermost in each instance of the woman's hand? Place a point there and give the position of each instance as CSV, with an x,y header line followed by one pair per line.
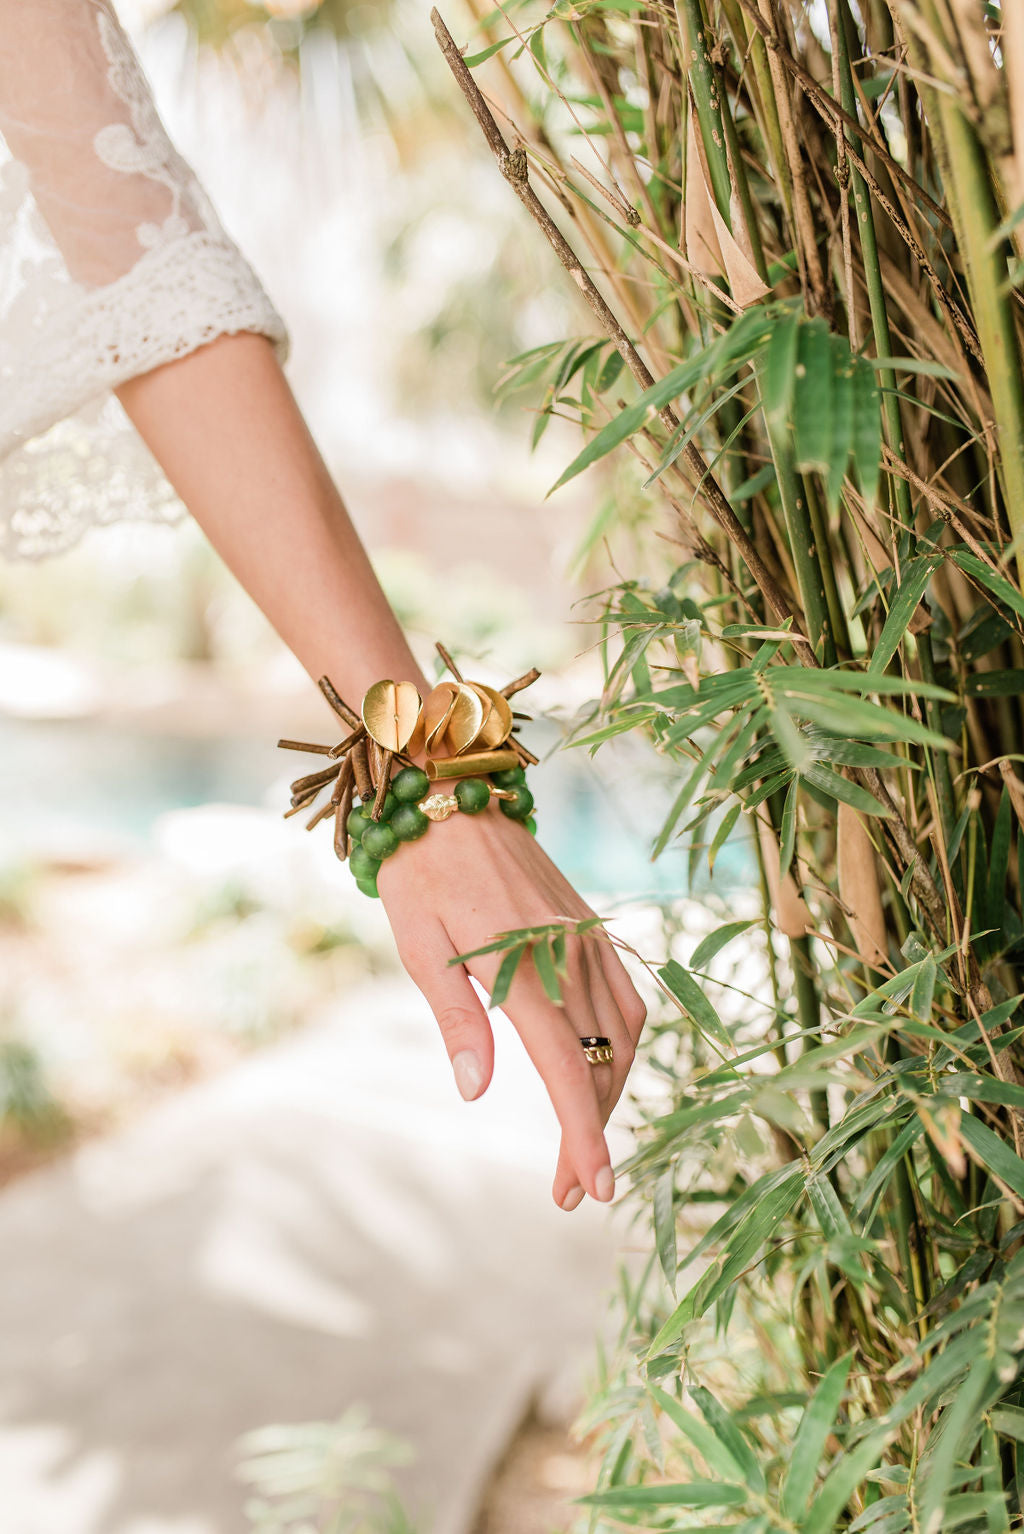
x,y
453,891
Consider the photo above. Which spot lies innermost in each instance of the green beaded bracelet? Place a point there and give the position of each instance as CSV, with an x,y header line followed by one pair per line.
x,y
375,841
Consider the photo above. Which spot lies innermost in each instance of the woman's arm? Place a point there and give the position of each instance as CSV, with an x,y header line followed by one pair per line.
x,y
228,433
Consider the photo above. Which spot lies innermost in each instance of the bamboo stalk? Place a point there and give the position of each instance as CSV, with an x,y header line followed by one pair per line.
x,y
516,174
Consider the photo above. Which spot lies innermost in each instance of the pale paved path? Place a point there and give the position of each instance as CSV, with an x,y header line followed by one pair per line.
x,y
326,1223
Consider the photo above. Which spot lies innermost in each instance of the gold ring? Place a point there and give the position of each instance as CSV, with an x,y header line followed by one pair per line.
x,y
597,1050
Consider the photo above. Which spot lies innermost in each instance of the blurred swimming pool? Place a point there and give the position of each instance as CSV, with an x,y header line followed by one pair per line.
x,y
75,780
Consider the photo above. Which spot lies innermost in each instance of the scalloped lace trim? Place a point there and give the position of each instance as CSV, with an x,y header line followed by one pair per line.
x,y
178,296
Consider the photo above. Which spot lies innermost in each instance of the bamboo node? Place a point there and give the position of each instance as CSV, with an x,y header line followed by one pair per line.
x,y
514,166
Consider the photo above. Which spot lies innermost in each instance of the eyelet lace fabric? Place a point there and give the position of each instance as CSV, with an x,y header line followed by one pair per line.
x,y
112,261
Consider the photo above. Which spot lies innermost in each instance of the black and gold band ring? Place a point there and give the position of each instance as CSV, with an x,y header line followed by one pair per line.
x,y
597,1050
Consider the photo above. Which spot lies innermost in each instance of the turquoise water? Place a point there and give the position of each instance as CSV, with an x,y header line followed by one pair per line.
x,y
597,818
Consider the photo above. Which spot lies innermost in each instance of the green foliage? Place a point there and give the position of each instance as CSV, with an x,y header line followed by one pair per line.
x,y
27,1103
324,1477
805,221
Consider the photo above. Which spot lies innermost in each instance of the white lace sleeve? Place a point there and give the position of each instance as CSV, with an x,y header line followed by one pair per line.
x,y
112,261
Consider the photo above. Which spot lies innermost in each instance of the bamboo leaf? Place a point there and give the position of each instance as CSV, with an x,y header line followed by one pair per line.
x,y
813,399
777,370
694,1003
842,1481
543,959
838,787
665,1224
727,352
922,365
715,941
997,584
705,1440
916,577
787,829
506,974
693,1494
867,431
808,1450
995,1154
743,1243
722,1424
723,833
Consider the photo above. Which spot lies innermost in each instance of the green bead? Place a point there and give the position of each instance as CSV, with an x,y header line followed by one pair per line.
x,y
409,785
380,841
408,823
363,866
472,795
368,888
358,822
531,826
509,777
388,808
518,808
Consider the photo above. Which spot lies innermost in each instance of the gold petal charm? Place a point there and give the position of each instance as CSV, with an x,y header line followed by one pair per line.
x,y
439,806
452,715
466,718
497,721
437,707
390,711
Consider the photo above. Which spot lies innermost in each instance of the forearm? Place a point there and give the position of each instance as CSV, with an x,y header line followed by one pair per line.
x,y
225,427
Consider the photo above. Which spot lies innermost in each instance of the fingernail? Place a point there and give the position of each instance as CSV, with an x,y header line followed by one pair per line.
x,y
573,1197
604,1184
468,1074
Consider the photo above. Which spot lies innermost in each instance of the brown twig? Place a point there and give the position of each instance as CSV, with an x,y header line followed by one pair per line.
x,y
521,682
312,780
349,741
338,703
446,657
345,777
361,769
321,814
302,804
346,784
383,783
306,745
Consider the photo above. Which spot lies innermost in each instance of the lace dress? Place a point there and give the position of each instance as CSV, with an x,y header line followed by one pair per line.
x,y
112,261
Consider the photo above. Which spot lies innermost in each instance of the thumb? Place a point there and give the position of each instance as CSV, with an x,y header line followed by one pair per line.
x,y
460,1016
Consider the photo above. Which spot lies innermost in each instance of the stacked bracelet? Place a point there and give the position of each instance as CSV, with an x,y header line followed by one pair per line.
x,y
467,731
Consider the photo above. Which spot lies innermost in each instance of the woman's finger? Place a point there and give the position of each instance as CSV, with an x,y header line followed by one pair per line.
x,y
460,1016
551,1039
608,1079
630,1003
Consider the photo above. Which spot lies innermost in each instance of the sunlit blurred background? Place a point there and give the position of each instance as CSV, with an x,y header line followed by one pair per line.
x,y
239,1185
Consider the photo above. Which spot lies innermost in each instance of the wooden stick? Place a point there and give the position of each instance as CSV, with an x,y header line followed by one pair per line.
x,y
302,804
361,769
341,814
526,757
338,703
526,680
383,783
452,667
306,745
313,779
321,814
348,742
345,777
